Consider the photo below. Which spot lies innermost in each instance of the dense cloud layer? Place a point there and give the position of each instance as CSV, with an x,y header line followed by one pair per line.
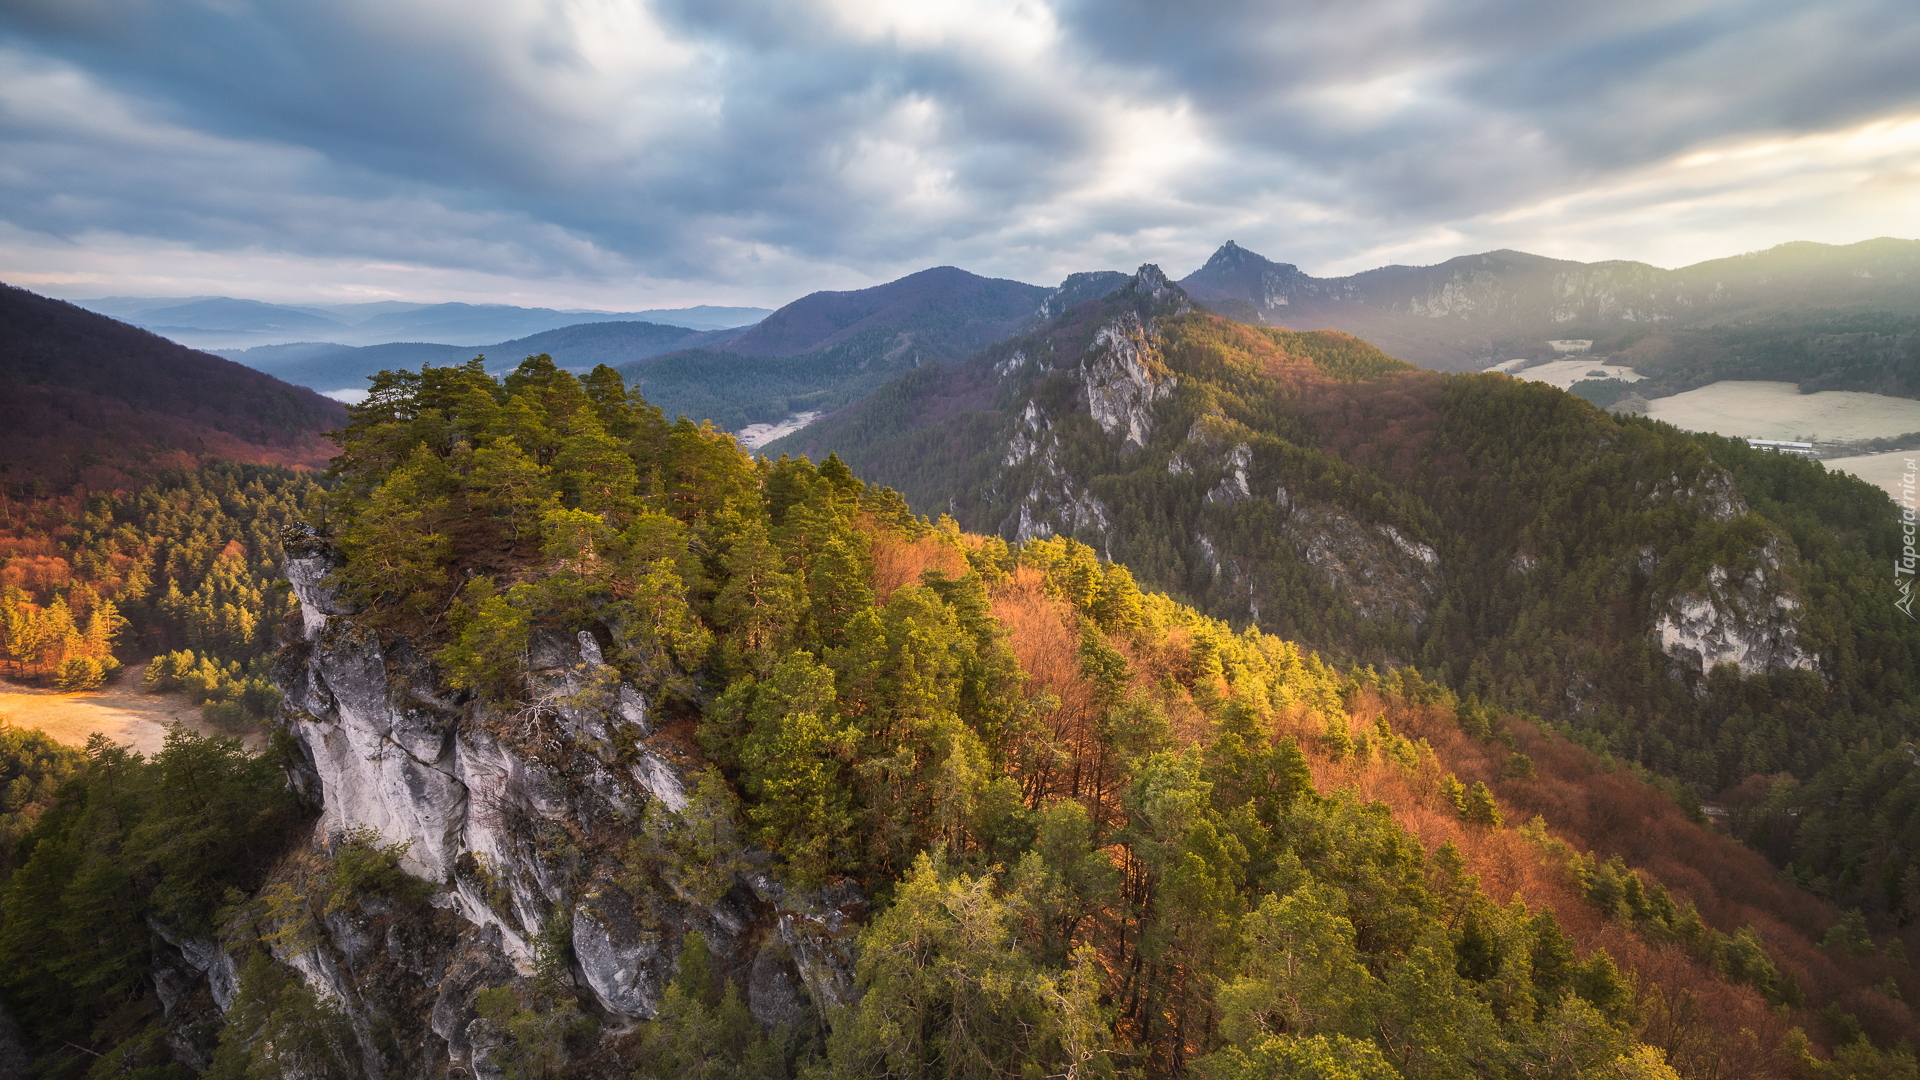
x,y
618,154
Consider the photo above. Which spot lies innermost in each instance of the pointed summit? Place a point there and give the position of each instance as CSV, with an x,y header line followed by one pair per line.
x,y
1241,283
1154,295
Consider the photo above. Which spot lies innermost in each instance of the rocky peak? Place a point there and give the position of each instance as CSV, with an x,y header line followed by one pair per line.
x,y
1235,276
1079,288
1149,286
1233,257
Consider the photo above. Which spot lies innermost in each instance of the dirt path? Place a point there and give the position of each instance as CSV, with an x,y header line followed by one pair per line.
x,y
119,710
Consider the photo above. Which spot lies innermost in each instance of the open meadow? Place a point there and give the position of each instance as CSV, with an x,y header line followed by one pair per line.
x,y
120,710
1778,410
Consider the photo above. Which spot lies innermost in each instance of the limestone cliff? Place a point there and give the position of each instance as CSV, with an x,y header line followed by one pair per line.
x,y
1746,617
517,817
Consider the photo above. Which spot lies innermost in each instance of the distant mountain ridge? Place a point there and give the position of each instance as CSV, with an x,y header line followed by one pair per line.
x,y
1768,314
84,398
226,323
328,367
946,308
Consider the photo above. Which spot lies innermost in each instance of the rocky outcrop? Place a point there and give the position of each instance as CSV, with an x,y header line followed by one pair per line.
x,y
1232,487
1123,378
1382,573
1028,434
1746,614
1748,619
518,816
1056,503
1710,493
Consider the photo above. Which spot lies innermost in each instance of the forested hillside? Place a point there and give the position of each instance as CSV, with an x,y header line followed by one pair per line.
x,y
183,571
830,348
1719,614
695,765
87,400
142,490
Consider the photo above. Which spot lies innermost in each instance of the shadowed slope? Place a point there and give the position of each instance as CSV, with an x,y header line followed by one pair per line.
x,y
80,391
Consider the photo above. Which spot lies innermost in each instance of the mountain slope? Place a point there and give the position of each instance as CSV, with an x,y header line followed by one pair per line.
x,y
1684,601
829,348
946,310
1825,316
605,750
81,393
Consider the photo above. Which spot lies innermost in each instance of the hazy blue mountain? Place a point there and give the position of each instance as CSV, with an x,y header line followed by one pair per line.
x,y
830,348
360,312
945,308
226,313
327,366
125,307
225,324
473,324
703,316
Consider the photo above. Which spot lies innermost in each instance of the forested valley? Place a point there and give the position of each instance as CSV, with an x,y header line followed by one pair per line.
x,y
1719,615
750,771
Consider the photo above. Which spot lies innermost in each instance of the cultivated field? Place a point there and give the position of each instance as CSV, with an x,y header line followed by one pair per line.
x,y
1564,373
1889,471
1778,410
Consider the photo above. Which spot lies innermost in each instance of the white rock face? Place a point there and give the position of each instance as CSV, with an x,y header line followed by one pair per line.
x,y
1028,433
498,810
1233,487
412,774
623,962
1208,553
1382,572
1027,528
1120,385
1748,621
1423,552
1056,502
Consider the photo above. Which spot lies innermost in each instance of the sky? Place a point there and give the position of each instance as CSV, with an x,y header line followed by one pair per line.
x,y
629,154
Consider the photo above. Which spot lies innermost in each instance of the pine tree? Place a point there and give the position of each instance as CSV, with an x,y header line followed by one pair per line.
x,y
1479,807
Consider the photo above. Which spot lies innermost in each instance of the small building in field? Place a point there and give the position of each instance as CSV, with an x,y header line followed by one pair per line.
x,y
1798,449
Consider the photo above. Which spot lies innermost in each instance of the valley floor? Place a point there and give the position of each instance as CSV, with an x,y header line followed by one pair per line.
x,y
1778,410
1888,471
121,711
1564,373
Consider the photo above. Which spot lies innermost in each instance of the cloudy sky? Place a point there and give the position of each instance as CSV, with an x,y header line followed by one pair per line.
x,y
653,153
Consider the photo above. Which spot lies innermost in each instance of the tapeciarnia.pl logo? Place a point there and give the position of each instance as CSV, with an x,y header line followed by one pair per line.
x,y
1903,567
